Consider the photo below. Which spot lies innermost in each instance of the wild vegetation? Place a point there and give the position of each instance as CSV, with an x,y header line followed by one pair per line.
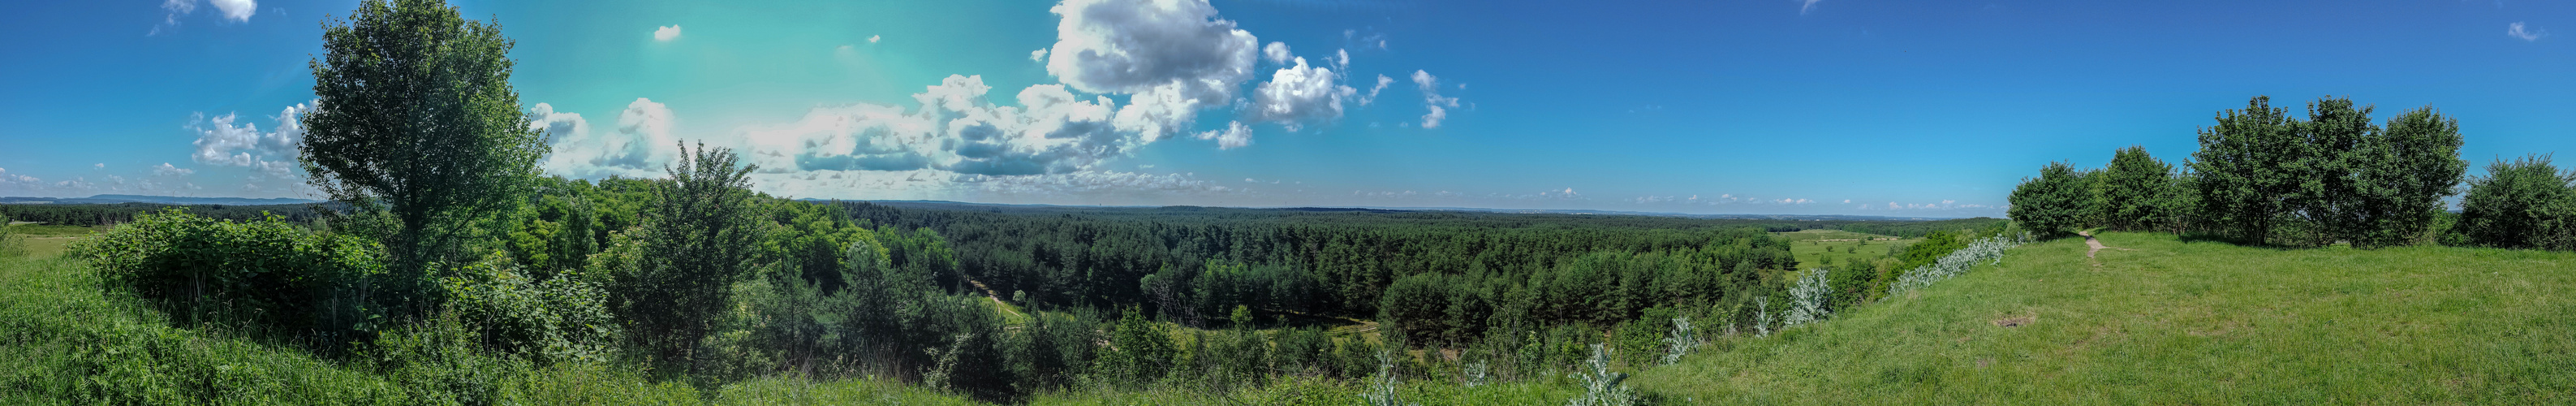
x,y
459,274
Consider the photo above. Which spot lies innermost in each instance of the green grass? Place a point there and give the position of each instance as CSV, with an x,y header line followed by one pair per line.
x,y
1813,247
2171,322
36,230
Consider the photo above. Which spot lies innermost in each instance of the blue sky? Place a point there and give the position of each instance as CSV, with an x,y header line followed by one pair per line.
x,y
1909,108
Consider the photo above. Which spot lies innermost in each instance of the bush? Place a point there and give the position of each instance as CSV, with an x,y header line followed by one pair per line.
x,y
556,319
2525,203
2056,203
265,274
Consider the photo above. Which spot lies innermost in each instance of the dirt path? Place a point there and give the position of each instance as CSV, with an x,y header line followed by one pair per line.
x,y
2089,241
988,294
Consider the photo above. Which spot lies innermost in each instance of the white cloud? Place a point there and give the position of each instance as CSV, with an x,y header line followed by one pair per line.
x,y
642,143
236,10
955,129
1806,5
1382,82
873,38
667,33
221,142
1276,52
1299,94
2517,30
101,165
1038,56
1431,99
179,6
169,170
1234,135
1173,56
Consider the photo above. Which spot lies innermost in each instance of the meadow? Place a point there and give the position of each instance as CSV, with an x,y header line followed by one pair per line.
x,y
1826,246
2160,320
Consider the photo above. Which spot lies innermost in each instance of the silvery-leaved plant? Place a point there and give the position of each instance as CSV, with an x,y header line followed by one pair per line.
x,y
1989,250
1807,299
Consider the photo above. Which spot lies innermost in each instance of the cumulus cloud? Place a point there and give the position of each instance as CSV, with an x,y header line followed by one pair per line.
x,y
170,170
667,33
955,129
1234,135
2518,31
1038,56
1173,56
226,141
1299,94
1276,52
236,10
873,38
641,144
1431,99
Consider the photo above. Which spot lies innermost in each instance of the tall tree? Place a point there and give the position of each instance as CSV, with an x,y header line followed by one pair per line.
x,y
2244,167
2524,203
414,110
2134,190
2410,168
2336,145
698,239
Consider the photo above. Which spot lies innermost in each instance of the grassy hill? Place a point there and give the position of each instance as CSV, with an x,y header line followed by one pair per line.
x,y
2154,320
2165,321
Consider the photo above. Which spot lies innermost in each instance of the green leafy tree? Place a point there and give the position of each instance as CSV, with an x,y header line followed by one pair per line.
x,y
2523,203
2134,190
414,110
2244,169
2406,173
2056,203
697,240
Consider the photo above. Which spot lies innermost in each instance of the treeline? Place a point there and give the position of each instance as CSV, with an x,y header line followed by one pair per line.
x,y
2262,176
119,213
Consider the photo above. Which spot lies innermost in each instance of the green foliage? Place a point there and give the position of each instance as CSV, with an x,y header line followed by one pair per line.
x,y
2406,172
414,109
2056,203
2246,169
2268,178
265,274
694,245
1140,351
549,320
2136,191
2523,203
10,246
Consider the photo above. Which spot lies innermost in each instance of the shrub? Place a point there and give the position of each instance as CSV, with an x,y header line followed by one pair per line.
x,y
1807,298
265,274
2056,203
2525,203
556,319
1990,249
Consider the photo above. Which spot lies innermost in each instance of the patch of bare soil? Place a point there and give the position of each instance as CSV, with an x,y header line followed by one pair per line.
x,y
2015,321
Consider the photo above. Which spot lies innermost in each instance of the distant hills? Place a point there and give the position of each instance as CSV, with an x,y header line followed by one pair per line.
x,y
173,200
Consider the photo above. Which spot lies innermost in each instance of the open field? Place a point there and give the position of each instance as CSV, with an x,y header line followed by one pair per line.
x,y
1817,246
2173,322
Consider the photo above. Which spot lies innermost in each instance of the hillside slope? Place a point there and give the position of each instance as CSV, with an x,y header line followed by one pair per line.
x,y
2172,322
